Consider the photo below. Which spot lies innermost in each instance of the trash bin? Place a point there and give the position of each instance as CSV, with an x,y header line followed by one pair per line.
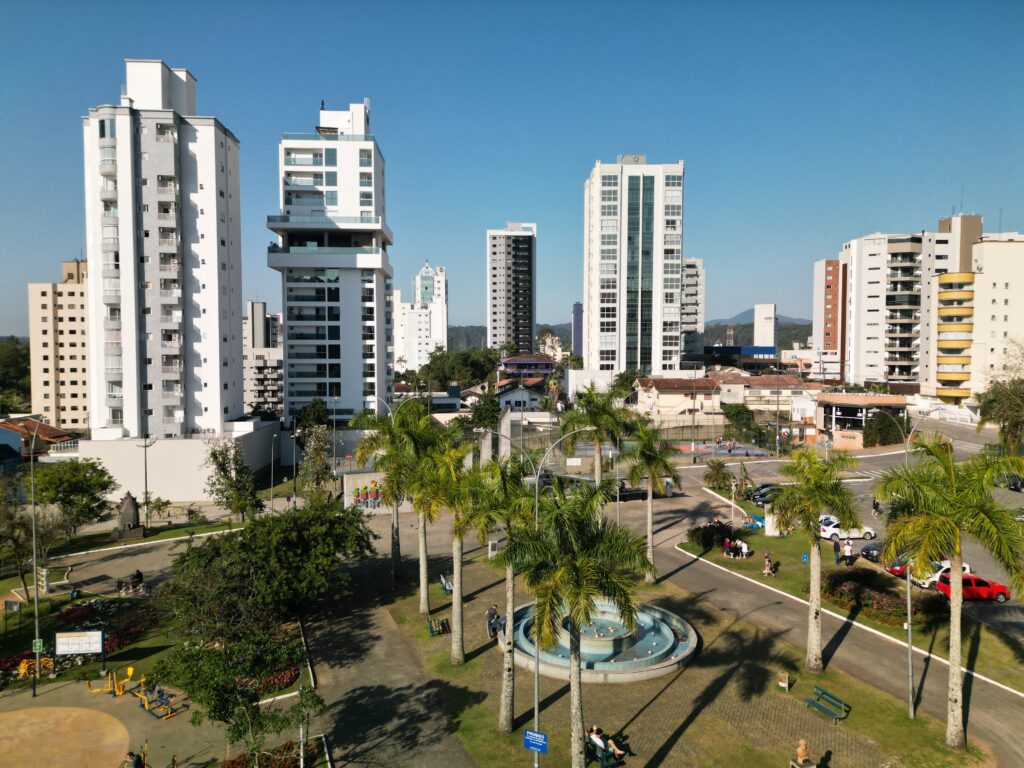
x,y
74,594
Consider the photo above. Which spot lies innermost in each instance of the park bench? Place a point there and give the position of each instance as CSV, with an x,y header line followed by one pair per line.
x,y
439,627
603,760
785,681
446,586
828,704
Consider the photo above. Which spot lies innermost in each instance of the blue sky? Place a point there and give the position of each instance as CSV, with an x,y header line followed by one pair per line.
x,y
801,124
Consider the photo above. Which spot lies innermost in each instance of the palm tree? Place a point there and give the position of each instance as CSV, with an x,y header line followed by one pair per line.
x,y
817,489
943,501
649,457
1003,404
598,411
574,558
504,504
717,476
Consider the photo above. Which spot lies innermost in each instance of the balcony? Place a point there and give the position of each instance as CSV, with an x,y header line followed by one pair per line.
x,y
956,278
168,137
298,181
170,216
172,370
174,318
112,348
108,167
305,297
112,323
111,269
170,343
170,293
110,244
955,312
112,296
108,193
326,137
318,335
170,266
168,242
315,202
171,395
325,250
113,400
304,160
166,190
113,370
109,219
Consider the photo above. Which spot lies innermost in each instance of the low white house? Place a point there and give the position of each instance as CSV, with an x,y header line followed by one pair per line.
x,y
698,399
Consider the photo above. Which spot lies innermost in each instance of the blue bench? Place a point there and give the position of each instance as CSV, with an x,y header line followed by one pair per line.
x,y
828,704
446,586
439,627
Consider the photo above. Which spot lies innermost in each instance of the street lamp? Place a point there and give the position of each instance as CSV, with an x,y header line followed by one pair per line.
x,y
334,442
536,525
146,443
36,642
910,649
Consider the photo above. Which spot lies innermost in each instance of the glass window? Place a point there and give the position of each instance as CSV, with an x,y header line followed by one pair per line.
x,y
331,157
673,180
331,178
366,199
330,197
365,158
609,181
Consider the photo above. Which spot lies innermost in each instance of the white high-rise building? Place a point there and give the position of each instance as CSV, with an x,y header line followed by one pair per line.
x,y
262,359
512,286
643,303
421,325
163,240
764,325
332,256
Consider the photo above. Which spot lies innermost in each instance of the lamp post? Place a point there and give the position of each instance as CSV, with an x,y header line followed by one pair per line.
x,y
36,642
537,468
334,442
295,468
910,648
146,443
273,444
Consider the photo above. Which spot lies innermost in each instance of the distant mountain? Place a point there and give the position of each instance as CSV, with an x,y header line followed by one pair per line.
x,y
743,334
747,316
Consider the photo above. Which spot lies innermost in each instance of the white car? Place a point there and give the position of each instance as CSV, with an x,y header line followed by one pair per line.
x,y
830,530
937,571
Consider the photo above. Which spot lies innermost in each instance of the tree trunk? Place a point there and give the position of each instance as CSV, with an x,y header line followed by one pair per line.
x,y
597,461
955,738
813,660
575,698
458,642
424,595
24,584
649,578
396,547
508,668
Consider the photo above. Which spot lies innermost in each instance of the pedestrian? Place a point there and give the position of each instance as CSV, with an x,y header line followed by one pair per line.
x,y
489,616
768,569
835,550
848,553
131,760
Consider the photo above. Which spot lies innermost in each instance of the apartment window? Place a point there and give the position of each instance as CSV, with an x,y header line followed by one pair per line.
x,y
331,178
366,199
609,313
609,181
609,210
608,284
331,157
608,298
609,195
612,239
606,354
365,158
609,254
673,180
608,326
330,197
673,210
108,128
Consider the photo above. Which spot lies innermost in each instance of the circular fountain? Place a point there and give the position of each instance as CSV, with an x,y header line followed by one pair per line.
x,y
609,653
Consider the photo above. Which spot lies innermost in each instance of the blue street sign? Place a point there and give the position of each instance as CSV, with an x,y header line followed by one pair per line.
x,y
536,741
804,558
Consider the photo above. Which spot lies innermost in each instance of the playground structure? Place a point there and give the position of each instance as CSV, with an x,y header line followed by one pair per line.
x,y
112,685
155,700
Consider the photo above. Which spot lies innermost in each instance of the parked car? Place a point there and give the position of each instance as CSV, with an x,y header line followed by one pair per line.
x,y
871,551
897,567
977,588
768,496
936,571
756,490
1015,483
831,530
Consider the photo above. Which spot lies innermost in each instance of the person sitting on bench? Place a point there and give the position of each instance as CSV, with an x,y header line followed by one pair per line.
x,y
604,743
136,580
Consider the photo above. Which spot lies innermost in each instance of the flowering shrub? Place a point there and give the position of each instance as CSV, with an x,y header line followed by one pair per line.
x,y
879,597
271,682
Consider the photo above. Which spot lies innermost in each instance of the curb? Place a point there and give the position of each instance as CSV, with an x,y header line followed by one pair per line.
x,y
847,620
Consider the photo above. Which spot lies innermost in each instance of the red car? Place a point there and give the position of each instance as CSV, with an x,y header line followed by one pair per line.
x,y
897,567
977,588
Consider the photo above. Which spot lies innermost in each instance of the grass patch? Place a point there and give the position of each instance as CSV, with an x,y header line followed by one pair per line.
x,y
988,652
102,540
680,718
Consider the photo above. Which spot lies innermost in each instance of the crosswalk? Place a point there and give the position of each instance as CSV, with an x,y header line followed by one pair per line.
x,y
872,473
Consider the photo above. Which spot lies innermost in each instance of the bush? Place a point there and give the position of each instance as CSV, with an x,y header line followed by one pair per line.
x,y
708,536
284,756
873,594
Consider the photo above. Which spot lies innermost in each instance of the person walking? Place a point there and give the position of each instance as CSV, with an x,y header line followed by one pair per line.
x,y
489,616
848,553
835,550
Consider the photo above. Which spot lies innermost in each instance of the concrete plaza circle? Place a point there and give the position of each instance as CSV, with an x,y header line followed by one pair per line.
x,y
49,736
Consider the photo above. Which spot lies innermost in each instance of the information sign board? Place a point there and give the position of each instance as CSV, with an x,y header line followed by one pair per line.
x,y
535,741
77,643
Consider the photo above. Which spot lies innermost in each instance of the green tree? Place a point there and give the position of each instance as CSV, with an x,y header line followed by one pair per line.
x,y
648,456
315,474
944,502
817,489
576,557
486,411
744,482
15,370
742,424
77,488
605,422
622,384
504,504
1003,404
231,483
15,529
313,414
717,476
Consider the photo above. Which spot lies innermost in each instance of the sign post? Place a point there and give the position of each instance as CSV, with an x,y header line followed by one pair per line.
x,y
535,741
79,644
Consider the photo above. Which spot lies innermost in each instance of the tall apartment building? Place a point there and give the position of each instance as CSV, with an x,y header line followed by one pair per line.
x,y
764,325
58,324
577,328
262,359
643,303
331,251
874,303
979,317
164,250
512,286
421,325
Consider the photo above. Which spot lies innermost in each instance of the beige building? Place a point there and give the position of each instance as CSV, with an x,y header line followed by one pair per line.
x,y
262,359
979,317
57,326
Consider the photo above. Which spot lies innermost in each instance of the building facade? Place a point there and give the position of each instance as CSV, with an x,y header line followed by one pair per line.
x,y
421,325
764,325
577,328
58,323
331,251
262,360
163,240
643,303
512,286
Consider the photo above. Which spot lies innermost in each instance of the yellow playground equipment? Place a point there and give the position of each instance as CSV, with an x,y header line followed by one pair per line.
x,y
156,701
113,686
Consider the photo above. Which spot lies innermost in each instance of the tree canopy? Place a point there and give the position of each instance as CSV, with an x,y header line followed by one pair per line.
x,y
77,488
231,483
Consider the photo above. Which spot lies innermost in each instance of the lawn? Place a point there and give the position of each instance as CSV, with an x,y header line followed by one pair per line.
x,y
994,654
90,541
723,709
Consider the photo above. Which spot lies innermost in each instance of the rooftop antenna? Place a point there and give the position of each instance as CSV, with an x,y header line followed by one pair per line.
x,y
321,105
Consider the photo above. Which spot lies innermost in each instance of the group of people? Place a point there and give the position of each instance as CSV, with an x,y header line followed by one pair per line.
x,y
494,621
847,551
367,496
603,743
735,547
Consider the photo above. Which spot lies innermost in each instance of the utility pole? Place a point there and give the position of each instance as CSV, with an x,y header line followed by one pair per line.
x,y
36,642
146,443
